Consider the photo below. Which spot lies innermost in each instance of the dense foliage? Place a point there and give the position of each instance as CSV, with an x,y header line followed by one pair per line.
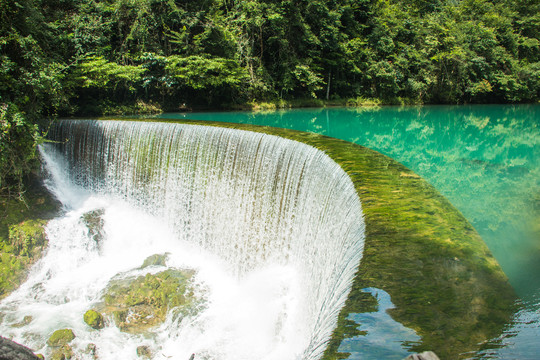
x,y
91,57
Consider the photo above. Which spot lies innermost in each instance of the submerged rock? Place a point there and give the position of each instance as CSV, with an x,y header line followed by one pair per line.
x,y
91,349
65,352
25,321
140,303
94,319
61,337
144,352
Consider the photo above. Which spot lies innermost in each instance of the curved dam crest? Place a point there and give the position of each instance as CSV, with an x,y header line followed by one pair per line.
x,y
442,279
420,250
253,200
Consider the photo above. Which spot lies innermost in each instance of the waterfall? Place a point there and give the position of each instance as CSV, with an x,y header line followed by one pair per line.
x,y
281,221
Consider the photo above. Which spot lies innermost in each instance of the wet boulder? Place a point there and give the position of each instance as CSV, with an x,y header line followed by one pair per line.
x,y
94,319
61,337
137,304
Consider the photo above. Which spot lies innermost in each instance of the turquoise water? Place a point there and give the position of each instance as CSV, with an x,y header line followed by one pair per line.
x,y
484,159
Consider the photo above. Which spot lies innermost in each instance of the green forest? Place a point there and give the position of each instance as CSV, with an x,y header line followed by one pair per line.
x,y
99,57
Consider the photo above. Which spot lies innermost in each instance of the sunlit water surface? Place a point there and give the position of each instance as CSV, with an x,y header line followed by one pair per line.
x,y
484,159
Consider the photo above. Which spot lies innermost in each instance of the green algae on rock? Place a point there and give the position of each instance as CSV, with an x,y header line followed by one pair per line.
x,y
94,319
140,303
61,337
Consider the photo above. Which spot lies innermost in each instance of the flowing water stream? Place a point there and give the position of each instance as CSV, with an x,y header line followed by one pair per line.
x,y
272,228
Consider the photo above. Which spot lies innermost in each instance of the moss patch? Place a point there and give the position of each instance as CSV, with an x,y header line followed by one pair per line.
x,y
94,319
27,238
22,236
138,304
61,337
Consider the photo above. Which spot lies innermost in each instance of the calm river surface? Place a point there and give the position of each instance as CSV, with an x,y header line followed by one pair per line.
x,y
484,159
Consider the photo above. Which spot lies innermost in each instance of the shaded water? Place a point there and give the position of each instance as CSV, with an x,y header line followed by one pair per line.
x,y
484,159
273,229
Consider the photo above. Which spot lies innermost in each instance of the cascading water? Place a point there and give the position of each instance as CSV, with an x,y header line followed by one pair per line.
x,y
272,227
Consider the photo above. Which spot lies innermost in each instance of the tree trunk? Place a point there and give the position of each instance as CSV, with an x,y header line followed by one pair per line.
x,y
328,85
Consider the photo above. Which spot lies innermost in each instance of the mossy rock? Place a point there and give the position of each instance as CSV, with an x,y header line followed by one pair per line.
x,y
61,337
138,304
22,237
94,319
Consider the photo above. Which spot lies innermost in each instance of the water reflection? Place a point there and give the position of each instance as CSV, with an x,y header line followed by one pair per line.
x,y
383,338
521,338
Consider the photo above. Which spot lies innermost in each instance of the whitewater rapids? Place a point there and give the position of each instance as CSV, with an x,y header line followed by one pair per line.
x,y
272,227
